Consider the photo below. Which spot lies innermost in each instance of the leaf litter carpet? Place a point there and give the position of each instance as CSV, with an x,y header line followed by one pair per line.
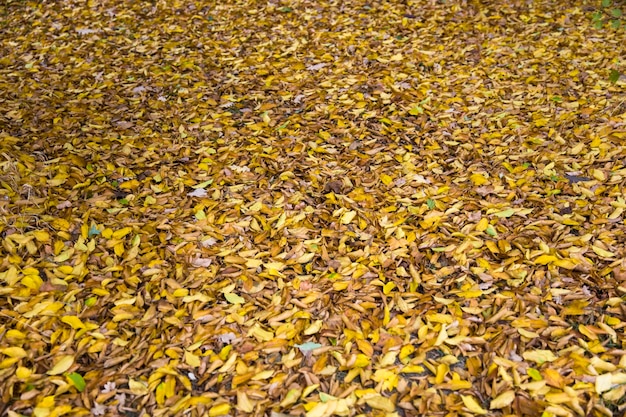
x,y
311,208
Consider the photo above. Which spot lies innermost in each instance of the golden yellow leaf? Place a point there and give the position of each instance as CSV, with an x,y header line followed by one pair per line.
x,y
118,234
545,259
219,410
386,179
73,321
14,352
478,179
23,372
481,226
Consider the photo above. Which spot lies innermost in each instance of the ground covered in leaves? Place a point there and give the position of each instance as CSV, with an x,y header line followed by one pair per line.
x,y
312,208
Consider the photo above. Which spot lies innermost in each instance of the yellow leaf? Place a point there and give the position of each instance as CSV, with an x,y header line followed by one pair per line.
x,y
14,352
599,175
219,410
324,135
118,234
10,276
73,321
292,396
566,263
389,379
347,217
386,179
361,361
526,333
192,360
306,258
539,356
119,249
314,327
602,252
263,375
137,387
502,400
388,287
8,362
554,378
320,410
380,403
478,179
41,236
603,383
472,404
482,225
412,369
46,402
260,334
545,259
62,365
234,298
243,402
23,373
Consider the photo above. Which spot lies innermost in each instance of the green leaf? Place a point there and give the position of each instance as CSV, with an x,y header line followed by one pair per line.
x,y
77,380
606,3
416,110
491,231
598,24
285,9
93,230
614,76
505,213
615,24
91,301
616,12
308,346
284,125
202,184
556,99
325,397
534,374
430,203
596,16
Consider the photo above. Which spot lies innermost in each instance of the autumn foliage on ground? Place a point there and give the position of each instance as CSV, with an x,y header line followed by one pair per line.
x,y
311,208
